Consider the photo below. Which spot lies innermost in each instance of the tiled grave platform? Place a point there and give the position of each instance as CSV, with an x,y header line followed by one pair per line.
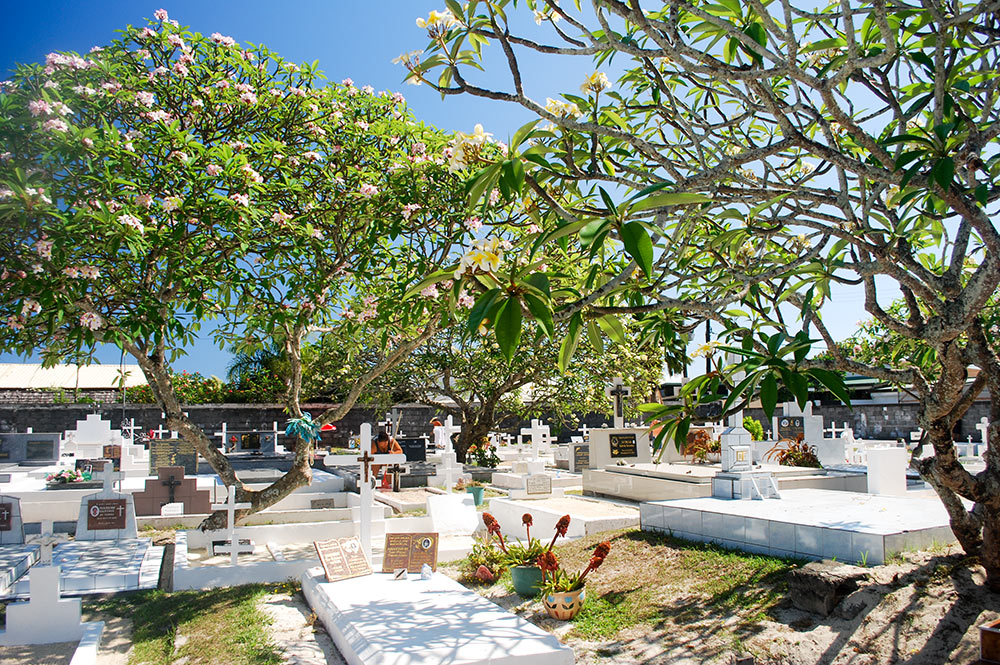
x,y
808,523
103,566
14,562
587,516
373,619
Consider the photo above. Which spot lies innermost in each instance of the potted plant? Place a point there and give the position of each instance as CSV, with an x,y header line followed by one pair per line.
x,y
522,557
563,594
473,487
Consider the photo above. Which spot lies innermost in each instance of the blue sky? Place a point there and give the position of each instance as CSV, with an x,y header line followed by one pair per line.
x,y
349,39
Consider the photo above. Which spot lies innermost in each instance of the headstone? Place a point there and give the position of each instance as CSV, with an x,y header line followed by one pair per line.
x,y
617,392
255,442
172,452
235,547
95,467
107,515
29,448
887,471
538,483
737,479
342,558
11,526
538,433
170,486
410,551
415,449
45,618
365,463
453,514
580,459
625,442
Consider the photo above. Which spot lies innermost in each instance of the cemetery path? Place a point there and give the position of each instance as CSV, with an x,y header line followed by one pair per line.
x,y
297,633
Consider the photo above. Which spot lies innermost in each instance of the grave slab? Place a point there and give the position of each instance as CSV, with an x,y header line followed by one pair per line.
x,y
432,621
587,516
14,562
806,523
103,567
170,486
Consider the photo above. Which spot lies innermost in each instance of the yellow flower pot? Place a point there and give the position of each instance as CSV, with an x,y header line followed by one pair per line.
x,y
564,605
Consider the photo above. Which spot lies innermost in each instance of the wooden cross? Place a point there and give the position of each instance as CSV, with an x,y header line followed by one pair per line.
x,y
366,461
170,484
395,470
234,548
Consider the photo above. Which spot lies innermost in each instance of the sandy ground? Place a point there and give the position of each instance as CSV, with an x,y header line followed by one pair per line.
x,y
297,633
924,611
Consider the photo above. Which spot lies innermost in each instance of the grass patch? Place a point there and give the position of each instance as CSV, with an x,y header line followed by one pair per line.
x,y
205,627
416,512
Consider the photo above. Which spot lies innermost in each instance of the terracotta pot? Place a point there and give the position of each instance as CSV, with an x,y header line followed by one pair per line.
x,y
564,605
527,580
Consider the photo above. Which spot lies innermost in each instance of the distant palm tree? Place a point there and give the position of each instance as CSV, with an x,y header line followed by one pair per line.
x,y
268,361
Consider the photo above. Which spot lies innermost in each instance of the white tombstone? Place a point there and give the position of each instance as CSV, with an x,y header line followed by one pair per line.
x,y
443,433
365,478
453,515
617,392
234,548
887,471
45,618
11,525
538,433
107,507
602,455
984,433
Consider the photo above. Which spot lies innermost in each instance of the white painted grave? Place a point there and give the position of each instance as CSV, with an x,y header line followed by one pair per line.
x,y
443,433
234,548
105,508
15,556
453,514
45,618
887,471
617,392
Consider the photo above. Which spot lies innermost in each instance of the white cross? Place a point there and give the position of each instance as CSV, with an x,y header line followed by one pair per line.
x,y
616,392
833,431
585,432
450,428
110,477
129,427
365,486
983,427
159,432
507,438
47,540
537,431
222,435
230,506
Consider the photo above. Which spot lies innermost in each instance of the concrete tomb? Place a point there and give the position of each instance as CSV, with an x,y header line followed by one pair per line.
x,y
170,487
15,556
107,515
30,448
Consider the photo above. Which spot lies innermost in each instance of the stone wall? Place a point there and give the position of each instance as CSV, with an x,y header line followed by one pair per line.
x,y
60,396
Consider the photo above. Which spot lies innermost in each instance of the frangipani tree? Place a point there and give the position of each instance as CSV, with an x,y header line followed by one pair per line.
x,y
756,156
172,181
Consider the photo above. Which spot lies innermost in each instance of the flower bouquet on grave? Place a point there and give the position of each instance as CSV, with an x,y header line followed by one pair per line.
x,y
68,476
563,593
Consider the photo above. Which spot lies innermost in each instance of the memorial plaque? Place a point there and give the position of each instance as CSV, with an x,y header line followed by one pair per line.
x,y
39,450
250,441
791,427
581,457
342,558
106,514
113,454
6,516
538,483
414,449
410,551
172,452
91,466
623,445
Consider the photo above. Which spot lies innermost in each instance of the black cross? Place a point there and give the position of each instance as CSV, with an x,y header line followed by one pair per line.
x,y
366,461
170,485
618,392
395,470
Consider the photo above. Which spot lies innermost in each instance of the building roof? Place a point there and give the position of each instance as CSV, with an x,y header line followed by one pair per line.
x,y
21,376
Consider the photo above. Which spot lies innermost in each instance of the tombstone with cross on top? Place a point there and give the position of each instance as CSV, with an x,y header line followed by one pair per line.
x,y
617,392
539,434
107,515
234,547
365,478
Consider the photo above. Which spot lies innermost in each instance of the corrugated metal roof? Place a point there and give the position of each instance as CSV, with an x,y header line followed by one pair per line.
x,y
30,375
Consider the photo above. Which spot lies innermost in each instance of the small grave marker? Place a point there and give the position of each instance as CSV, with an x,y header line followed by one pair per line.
x,y
342,558
235,546
538,483
172,452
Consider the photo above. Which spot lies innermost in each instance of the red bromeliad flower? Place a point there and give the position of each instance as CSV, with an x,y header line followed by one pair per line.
x,y
600,553
493,527
562,526
549,564
527,521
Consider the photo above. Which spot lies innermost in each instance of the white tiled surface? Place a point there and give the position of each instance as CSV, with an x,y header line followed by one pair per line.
x,y
14,562
806,523
103,566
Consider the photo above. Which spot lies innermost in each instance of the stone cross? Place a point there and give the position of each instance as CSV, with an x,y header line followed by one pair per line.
x,y
507,437
234,548
833,431
395,470
46,541
617,392
537,432
222,436
170,484
450,428
585,432
110,477
159,432
983,427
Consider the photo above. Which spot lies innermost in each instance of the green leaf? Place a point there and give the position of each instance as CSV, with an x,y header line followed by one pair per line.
x,y
508,327
569,344
433,278
591,230
769,394
944,171
834,383
594,335
482,306
669,199
681,433
638,246
540,281
542,313
613,328
522,133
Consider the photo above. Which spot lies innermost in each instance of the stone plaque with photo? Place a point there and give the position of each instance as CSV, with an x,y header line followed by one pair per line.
x,y
581,456
538,483
172,452
6,516
790,427
410,551
342,558
623,445
90,465
106,514
39,450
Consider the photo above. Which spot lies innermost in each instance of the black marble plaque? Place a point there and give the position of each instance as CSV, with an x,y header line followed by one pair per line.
x,y
623,445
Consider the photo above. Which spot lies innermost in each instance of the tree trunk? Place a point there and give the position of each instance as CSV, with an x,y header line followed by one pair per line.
x,y
991,548
471,434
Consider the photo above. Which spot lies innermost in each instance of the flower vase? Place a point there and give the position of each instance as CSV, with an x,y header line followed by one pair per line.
x,y
564,605
477,494
527,580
